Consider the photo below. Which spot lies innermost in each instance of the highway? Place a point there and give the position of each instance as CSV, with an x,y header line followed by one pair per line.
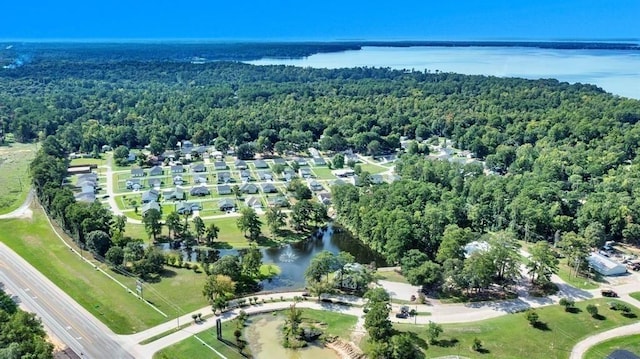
x,y
65,318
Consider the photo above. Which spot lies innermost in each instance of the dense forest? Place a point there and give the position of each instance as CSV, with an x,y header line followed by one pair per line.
x,y
562,158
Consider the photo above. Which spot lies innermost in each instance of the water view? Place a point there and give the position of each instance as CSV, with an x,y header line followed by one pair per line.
x,y
615,71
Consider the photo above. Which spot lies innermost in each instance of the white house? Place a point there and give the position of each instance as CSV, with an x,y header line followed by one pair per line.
x,y
605,266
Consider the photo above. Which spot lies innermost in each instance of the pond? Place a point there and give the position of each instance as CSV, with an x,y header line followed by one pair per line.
x,y
293,259
263,336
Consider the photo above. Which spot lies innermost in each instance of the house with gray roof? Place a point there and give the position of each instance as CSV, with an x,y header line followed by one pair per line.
x,y
315,186
156,171
219,165
324,198
155,182
224,177
133,182
178,180
174,194
305,173
198,168
240,165
279,161
199,191
188,207
269,188
149,206
265,176
224,189
319,161
150,196
249,188
260,164
245,175
137,172
277,201
177,169
253,202
226,204
199,179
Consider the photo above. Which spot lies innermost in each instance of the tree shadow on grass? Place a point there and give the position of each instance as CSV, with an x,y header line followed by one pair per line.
x,y
629,315
447,343
598,317
416,340
574,310
222,245
483,351
542,326
168,273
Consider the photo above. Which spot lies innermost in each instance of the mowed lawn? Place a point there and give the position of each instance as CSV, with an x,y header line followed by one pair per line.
x,y
179,291
602,350
14,174
511,336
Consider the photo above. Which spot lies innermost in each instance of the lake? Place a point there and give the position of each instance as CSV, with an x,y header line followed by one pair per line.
x,y
616,71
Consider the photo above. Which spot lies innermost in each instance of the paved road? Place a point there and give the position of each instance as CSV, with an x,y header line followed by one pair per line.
x,y
65,318
24,209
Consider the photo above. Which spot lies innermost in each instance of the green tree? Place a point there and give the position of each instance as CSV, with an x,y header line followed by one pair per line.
x,y
454,239
251,262
377,323
542,263
218,286
152,224
321,265
212,233
576,249
433,331
120,223
249,222
338,161
276,219
532,317
592,310
246,151
98,243
402,347
120,155
228,265
115,256
567,303
200,227
173,223
595,234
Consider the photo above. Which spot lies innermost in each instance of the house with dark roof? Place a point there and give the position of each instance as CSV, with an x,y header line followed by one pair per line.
x,y
300,161
265,176
279,161
277,201
198,167
245,175
186,146
132,157
137,172
188,207
305,173
178,180
85,197
133,182
224,189
253,202
156,171
149,206
150,196
376,179
226,204
224,177
169,154
174,194
315,186
200,149
269,188
240,165
219,165
199,191
155,182
199,179
177,169
260,164
319,161
249,188
324,198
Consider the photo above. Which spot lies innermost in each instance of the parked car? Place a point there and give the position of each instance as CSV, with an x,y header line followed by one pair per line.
x,y
402,315
608,293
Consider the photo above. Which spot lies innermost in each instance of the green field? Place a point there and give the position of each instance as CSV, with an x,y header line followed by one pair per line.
x,y
372,169
88,161
392,276
323,173
511,336
337,324
635,295
179,291
630,343
14,174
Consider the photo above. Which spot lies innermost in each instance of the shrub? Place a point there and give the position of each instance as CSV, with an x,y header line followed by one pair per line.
x,y
593,310
477,344
532,317
567,303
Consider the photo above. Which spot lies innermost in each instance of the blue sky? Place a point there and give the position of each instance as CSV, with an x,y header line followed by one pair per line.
x,y
321,20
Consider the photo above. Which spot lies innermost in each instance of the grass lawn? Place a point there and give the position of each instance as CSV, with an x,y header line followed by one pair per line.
x,y
567,275
635,295
630,343
371,168
323,173
336,324
35,241
88,161
229,231
191,348
14,174
511,336
392,276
